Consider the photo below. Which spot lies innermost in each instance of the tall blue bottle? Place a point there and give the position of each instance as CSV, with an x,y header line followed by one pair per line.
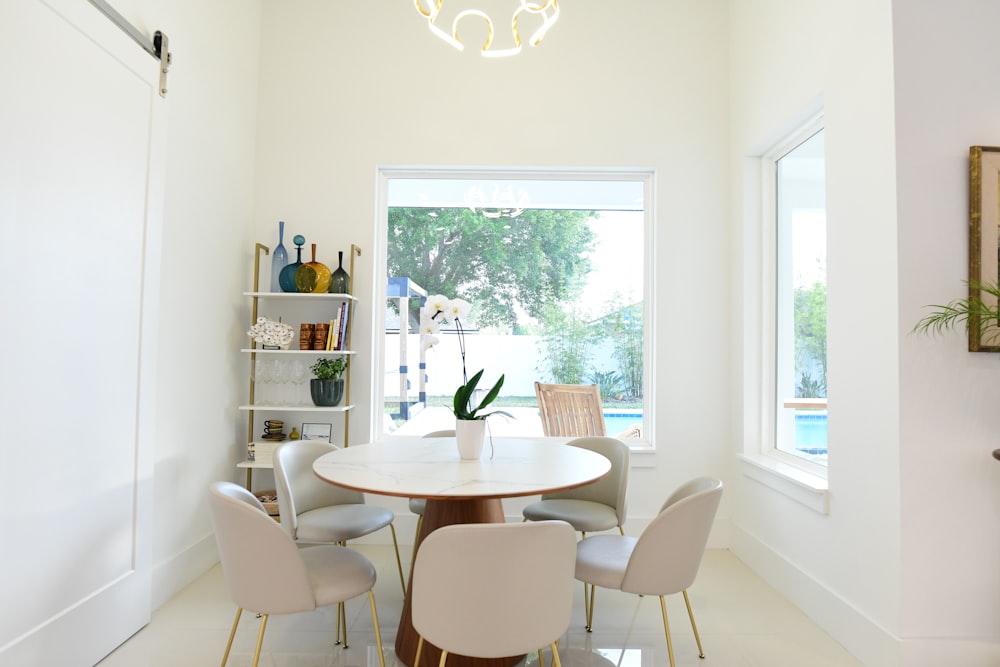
x,y
279,258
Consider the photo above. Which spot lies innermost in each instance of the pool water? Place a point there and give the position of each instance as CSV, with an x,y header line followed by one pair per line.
x,y
810,433
616,422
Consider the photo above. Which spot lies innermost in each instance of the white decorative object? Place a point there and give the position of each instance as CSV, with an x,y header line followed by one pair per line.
x,y
469,435
272,334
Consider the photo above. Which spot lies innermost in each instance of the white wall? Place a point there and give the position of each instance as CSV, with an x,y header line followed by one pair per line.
x,y
898,570
347,87
945,102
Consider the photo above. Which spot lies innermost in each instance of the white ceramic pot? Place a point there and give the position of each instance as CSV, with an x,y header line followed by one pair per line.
x,y
469,435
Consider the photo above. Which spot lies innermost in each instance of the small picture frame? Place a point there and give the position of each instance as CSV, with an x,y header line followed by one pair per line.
x,y
316,431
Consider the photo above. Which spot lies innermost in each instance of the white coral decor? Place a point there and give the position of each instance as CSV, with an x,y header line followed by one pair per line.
x,y
271,333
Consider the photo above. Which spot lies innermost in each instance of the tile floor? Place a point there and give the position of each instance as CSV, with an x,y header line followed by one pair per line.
x,y
743,623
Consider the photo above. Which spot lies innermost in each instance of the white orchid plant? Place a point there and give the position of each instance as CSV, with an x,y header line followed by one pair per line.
x,y
438,310
270,333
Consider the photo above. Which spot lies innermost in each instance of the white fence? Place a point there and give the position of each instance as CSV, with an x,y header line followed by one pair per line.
x,y
520,359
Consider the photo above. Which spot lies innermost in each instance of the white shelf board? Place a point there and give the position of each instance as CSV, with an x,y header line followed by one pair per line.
x,y
300,295
299,352
297,408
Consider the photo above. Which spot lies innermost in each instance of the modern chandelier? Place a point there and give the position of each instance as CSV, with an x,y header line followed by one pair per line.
x,y
547,11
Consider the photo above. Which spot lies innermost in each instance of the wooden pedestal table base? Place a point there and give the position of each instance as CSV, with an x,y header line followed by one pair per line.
x,y
436,514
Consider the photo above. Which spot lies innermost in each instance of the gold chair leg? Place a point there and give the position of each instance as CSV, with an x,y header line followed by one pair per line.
x,y
621,530
260,639
399,563
232,633
416,538
343,622
541,657
444,657
687,601
666,630
339,605
378,635
586,606
590,609
555,654
420,647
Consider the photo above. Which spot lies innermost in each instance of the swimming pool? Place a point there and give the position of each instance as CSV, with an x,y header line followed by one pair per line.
x,y
616,421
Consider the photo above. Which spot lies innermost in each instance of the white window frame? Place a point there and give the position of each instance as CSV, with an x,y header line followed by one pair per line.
x,y
794,476
645,176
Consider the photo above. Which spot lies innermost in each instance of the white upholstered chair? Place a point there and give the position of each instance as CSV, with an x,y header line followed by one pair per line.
x,y
593,507
663,560
492,590
295,580
316,512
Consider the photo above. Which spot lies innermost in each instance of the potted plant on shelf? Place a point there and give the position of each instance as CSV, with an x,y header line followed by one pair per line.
x,y
327,388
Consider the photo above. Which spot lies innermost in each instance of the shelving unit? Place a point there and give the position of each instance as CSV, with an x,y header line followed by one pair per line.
x,y
292,307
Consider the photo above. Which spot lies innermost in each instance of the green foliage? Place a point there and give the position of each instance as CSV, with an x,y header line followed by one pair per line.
x,y
627,338
809,387
329,369
463,399
609,383
979,318
530,262
810,340
566,341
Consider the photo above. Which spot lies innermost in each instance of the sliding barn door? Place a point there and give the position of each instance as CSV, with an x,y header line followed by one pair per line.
x,y
80,202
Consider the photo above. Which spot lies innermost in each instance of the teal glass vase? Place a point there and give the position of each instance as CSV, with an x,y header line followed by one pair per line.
x,y
287,278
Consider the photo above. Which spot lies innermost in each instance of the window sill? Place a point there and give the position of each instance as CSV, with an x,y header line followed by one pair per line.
x,y
803,487
641,454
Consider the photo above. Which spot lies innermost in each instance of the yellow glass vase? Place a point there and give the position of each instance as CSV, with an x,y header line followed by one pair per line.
x,y
312,276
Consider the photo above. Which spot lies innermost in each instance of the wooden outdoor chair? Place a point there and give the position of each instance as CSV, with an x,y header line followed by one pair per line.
x,y
572,410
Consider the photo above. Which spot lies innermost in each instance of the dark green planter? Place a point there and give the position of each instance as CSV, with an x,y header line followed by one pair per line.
x,y
326,393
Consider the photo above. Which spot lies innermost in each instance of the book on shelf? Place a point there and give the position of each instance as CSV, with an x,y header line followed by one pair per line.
x,y
345,315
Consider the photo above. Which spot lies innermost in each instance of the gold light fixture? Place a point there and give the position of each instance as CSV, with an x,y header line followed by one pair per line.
x,y
548,10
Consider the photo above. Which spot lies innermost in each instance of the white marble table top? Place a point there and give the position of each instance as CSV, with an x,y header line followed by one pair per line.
x,y
431,468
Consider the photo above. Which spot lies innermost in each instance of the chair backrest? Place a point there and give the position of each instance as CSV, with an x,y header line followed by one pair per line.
x,y
490,590
444,433
299,489
261,565
572,410
610,490
668,554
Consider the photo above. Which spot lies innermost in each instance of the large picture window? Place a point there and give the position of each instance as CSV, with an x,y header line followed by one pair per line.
x,y
554,267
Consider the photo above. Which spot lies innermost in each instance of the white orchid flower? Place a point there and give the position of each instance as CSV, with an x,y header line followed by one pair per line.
x,y
457,309
434,304
428,326
430,341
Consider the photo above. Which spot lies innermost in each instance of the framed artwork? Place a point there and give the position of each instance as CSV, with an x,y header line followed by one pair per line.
x,y
984,238
314,431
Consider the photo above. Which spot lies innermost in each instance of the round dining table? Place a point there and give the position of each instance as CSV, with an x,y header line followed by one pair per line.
x,y
458,491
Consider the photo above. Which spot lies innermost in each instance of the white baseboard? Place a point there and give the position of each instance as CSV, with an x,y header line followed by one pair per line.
x,y
171,576
866,640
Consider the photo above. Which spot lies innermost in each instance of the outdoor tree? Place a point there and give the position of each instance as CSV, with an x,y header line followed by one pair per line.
x,y
810,340
502,265
567,344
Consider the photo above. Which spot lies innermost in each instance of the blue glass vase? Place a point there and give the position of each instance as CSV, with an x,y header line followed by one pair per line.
x,y
287,277
279,259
